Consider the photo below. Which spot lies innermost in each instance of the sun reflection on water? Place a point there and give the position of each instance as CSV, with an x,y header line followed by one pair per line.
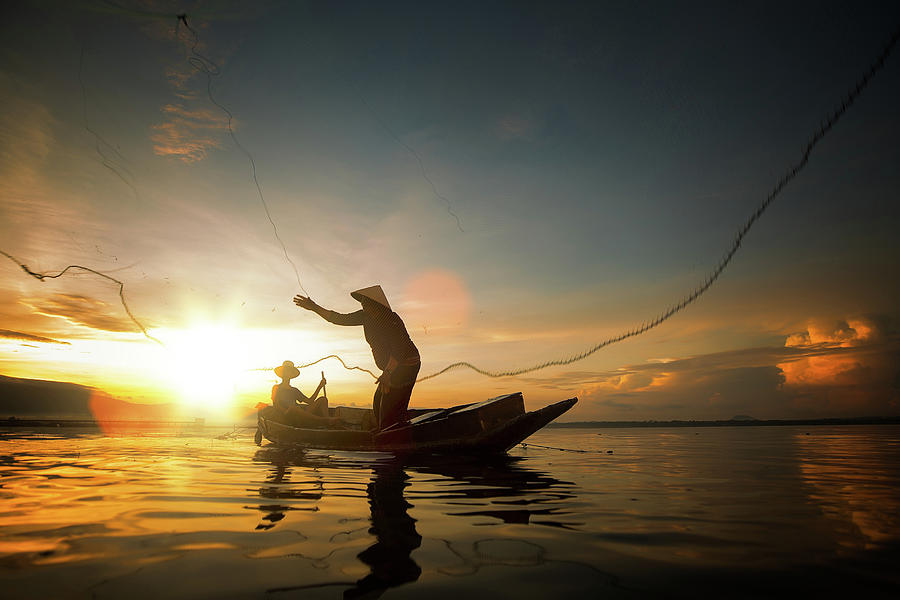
x,y
119,515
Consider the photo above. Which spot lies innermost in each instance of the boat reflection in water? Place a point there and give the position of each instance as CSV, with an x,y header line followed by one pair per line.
x,y
280,476
499,488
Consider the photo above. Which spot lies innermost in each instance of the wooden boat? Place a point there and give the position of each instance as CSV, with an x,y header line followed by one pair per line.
x,y
492,426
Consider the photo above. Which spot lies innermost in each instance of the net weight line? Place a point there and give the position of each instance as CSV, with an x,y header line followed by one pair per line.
x,y
209,68
206,66
792,172
117,167
43,276
825,127
434,190
340,360
318,360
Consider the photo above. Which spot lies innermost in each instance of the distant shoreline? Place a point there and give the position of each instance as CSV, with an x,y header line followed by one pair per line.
x,y
92,424
728,423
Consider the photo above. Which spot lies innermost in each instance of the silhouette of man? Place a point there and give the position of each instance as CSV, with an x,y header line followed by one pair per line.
x,y
393,350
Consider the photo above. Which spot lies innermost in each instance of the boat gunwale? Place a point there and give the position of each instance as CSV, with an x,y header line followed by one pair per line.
x,y
497,440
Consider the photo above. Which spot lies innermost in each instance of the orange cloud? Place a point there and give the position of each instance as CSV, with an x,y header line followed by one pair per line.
x,y
196,119
18,335
836,368
844,334
823,370
81,310
186,134
178,78
849,368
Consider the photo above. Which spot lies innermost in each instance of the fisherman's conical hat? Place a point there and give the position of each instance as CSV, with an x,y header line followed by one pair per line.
x,y
287,370
372,293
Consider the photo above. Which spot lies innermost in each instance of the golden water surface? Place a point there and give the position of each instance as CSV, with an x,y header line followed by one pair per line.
x,y
680,512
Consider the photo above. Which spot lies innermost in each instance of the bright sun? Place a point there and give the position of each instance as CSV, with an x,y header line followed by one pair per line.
x,y
222,370
206,363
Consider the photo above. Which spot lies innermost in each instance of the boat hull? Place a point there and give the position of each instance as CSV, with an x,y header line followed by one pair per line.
x,y
492,426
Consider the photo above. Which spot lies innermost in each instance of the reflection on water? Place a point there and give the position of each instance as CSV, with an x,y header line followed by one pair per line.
x,y
731,511
280,478
457,481
395,535
846,473
388,558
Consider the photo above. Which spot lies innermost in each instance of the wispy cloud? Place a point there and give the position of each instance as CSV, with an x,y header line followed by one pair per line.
x,y
37,215
25,144
515,126
186,134
82,310
179,79
18,335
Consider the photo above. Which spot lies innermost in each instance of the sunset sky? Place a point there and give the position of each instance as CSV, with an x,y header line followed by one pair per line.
x,y
600,159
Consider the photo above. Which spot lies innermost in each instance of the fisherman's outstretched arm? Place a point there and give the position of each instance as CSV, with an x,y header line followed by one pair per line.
x,y
354,318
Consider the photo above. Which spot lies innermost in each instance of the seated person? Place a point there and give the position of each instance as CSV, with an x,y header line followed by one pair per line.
x,y
294,407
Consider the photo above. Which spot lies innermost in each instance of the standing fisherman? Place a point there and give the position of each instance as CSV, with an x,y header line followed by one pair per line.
x,y
393,351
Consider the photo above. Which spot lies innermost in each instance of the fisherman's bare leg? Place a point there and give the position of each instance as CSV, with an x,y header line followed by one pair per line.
x,y
320,407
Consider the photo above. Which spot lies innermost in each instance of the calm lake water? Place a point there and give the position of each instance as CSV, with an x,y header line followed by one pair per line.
x,y
682,512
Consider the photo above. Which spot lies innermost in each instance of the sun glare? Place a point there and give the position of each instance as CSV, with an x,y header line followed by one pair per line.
x,y
216,370
221,370
206,363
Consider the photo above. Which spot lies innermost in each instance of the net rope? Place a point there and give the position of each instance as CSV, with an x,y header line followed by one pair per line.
x,y
424,172
209,68
318,360
791,173
43,276
206,66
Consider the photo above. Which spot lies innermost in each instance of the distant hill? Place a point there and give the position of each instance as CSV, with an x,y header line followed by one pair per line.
x,y
39,399
743,418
